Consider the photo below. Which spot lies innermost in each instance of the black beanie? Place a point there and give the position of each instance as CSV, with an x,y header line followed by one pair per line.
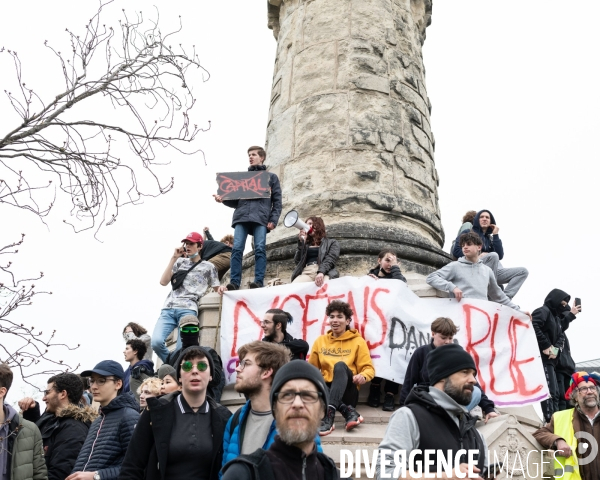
x,y
216,376
295,370
448,359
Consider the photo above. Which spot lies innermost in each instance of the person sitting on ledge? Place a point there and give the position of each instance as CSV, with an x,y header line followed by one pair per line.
x,y
467,225
387,267
316,255
274,325
343,357
217,253
468,277
492,251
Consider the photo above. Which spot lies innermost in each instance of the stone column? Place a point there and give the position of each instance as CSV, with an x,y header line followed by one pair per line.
x,y
349,131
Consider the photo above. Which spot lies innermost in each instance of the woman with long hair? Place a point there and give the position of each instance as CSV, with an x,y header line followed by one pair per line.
x,y
316,255
134,331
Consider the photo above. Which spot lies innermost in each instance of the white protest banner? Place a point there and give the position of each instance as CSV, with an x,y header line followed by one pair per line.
x,y
394,322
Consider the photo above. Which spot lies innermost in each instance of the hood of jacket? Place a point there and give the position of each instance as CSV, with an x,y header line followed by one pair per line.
x,y
86,414
554,298
434,398
125,400
149,364
254,168
9,412
344,337
476,227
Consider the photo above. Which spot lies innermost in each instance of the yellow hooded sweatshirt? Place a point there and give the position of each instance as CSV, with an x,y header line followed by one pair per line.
x,y
349,348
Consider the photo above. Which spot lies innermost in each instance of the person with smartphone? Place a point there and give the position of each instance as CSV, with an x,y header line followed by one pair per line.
x,y
190,278
548,326
492,252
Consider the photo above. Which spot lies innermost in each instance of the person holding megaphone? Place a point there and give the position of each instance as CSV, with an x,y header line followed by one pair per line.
x,y
316,255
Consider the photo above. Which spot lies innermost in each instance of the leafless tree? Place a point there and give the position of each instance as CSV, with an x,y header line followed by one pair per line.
x,y
125,95
22,346
72,139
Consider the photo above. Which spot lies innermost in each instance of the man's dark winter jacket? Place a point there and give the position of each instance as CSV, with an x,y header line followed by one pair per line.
x,y
491,243
142,370
215,389
438,432
298,347
329,252
108,438
281,462
417,374
258,210
547,323
63,436
148,453
395,273
211,248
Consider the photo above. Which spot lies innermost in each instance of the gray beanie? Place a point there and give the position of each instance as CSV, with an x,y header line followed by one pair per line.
x,y
299,369
165,370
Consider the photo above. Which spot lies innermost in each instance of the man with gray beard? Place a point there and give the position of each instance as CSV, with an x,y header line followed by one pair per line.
x,y
435,419
578,427
299,398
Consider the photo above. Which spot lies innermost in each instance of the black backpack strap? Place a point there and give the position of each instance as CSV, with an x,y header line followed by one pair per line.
x,y
258,464
235,421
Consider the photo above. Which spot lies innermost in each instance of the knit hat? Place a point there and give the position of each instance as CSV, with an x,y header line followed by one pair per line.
x,y
216,376
448,359
295,370
165,370
579,377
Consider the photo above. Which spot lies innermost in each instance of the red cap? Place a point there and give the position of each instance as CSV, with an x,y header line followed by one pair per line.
x,y
194,237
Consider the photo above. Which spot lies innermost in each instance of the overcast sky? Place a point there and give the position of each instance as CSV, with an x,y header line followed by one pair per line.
x,y
514,89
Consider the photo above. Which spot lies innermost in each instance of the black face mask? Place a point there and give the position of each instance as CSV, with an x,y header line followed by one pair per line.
x,y
189,340
565,308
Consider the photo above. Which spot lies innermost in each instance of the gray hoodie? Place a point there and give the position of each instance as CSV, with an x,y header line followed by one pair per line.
x,y
402,432
476,280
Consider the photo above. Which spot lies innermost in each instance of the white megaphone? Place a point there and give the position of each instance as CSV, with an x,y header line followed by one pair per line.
x,y
291,219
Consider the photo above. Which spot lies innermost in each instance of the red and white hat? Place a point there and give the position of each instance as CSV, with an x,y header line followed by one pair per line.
x,y
194,237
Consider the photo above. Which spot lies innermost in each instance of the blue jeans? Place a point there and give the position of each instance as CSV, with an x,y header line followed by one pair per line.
x,y
241,232
475,399
167,322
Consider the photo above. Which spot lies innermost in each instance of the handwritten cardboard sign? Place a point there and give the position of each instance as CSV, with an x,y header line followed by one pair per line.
x,y
394,322
243,185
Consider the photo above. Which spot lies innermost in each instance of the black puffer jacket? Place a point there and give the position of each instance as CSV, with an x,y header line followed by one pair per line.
x,y
148,453
329,252
63,436
108,438
258,210
547,323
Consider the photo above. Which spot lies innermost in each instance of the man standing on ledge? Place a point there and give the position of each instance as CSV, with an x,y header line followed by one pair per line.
x,y
253,216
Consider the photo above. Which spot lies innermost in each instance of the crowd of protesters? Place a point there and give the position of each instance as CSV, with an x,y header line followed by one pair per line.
x,y
143,422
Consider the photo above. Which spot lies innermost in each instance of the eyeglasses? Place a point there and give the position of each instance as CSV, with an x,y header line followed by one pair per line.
x,y
189,329
305,396
46,392
100,381
243,365
266,322
188,366
586,389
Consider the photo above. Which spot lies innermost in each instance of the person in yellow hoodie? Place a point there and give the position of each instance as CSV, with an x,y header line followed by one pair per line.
x,y
343,357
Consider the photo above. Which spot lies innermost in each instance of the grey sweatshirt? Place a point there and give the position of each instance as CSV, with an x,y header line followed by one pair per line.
x,y
476,280
402,432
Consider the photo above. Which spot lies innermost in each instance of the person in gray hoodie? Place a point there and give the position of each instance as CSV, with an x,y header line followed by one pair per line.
x,y
468,277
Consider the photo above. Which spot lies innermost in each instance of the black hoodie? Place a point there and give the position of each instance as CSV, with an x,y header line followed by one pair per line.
x,y
547,323
491,243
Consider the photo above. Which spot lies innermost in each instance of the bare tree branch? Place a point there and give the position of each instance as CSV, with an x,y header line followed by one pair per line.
x,y
23,347
146,81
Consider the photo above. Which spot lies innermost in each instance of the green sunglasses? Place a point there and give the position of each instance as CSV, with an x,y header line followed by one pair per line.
x,y
188,366
189,329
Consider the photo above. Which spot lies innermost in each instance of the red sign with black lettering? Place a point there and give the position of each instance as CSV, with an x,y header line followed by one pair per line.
x,y
243,185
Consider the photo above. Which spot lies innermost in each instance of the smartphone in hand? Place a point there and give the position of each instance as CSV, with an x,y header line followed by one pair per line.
x,y
578,303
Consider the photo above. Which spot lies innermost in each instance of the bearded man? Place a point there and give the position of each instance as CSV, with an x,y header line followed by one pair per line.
x,y
435,418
